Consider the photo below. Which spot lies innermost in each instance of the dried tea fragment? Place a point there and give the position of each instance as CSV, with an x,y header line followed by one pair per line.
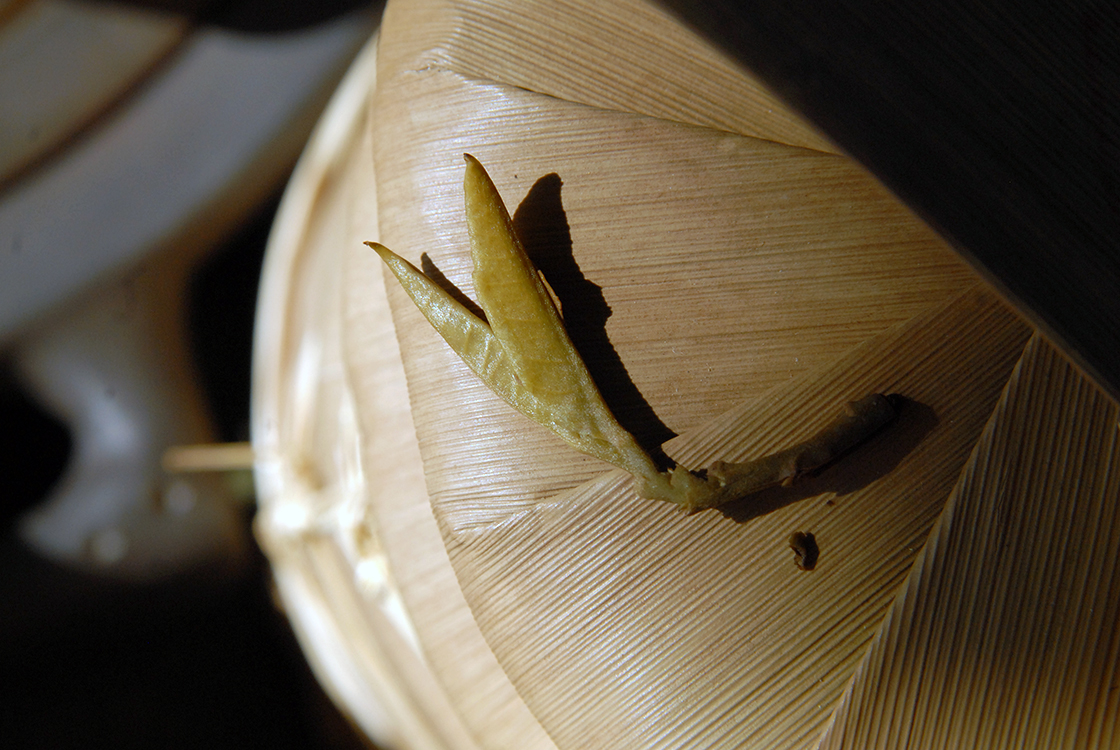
x,y
805,550
523,353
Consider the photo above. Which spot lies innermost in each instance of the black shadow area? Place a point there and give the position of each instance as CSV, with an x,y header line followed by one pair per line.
x,y
854,470
542,225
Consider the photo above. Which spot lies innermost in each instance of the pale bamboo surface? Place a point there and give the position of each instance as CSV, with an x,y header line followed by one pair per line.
x,y
477,687
775,260
733,278
314,524
633,57
345,519
653,629
726,263
1005,633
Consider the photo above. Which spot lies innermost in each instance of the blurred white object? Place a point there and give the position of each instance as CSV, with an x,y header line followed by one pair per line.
x,y
64,62
113,369
95,245
204,141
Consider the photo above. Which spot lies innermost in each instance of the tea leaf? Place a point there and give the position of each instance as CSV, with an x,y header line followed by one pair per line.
x,y
523,353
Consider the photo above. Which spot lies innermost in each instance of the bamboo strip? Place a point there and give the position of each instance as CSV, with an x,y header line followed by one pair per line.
x,y
624,624
398,504
314,522
1005,635
356,649
775,260
656,210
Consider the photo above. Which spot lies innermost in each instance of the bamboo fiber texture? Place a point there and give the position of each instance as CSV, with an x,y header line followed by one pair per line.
x,y
732,280
483,700
1005,634
699,266
344,516
652,629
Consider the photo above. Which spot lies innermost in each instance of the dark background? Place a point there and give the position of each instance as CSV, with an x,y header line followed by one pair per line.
x,y
206,660
998,122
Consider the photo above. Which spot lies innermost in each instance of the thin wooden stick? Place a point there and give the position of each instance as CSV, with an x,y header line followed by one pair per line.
x,y
208,457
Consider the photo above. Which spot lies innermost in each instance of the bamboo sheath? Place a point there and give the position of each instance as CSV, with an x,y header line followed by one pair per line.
x,y
345,518
729,279
1004,634
704,622
315,523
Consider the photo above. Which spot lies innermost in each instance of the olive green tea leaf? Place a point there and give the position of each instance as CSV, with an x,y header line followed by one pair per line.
x,y
523,353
